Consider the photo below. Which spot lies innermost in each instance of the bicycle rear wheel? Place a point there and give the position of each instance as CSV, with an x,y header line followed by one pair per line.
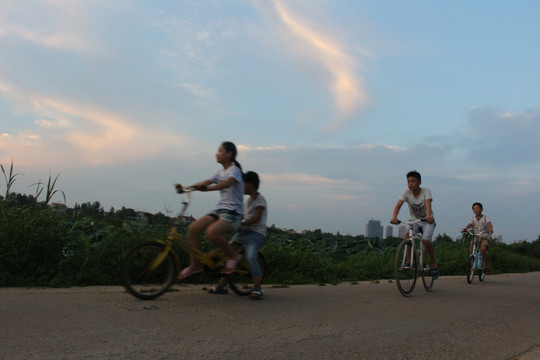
x,y
470,269
405,275
240,281
142,277
427,280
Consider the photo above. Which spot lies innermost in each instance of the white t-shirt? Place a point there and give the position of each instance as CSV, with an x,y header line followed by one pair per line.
x,y
417,205
233,196
249,211
480,224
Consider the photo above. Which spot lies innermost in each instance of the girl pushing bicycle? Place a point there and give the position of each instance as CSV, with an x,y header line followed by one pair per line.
x,y
226,217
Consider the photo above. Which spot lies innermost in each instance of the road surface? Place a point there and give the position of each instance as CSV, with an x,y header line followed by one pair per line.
x,y
496,319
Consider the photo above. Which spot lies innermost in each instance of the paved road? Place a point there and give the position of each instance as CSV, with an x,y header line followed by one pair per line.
x,y
497,319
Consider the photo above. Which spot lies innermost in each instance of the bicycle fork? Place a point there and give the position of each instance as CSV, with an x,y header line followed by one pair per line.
x,y
162,256
408,256
173,234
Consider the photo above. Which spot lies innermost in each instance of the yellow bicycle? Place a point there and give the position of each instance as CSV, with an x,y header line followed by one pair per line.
x,y
150,268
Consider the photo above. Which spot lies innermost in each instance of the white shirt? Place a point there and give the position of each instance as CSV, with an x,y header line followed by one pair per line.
x,y
249,210
233,196
417,205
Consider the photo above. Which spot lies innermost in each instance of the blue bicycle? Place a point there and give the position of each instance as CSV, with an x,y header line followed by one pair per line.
x,y
475,262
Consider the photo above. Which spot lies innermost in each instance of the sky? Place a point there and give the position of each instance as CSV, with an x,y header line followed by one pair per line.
x,y
331,102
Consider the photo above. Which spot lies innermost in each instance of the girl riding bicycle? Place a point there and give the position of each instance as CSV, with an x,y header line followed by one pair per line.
x,y
226,217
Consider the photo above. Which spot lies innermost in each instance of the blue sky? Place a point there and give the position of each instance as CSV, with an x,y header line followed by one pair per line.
x,y
331,102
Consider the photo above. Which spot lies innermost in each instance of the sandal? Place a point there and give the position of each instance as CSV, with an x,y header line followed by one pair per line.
x,y
256,294
230,265
218,289
434,274
486,271
187,272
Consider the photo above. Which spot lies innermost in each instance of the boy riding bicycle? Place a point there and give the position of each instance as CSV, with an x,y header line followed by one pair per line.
x,y
481,224
419,201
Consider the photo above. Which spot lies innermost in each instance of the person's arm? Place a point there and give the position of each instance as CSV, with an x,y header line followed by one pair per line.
x,y
221,185
255,218
466,227
490,227
429,215
198,186
396,211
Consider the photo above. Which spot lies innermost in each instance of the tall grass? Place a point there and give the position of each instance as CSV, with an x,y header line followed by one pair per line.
x,y
9,178
49,188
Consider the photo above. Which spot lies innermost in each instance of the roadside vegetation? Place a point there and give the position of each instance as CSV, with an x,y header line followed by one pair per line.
x,y
43,244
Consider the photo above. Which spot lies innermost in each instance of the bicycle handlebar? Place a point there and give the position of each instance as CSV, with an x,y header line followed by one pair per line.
x,y
187,190
470,231
410,222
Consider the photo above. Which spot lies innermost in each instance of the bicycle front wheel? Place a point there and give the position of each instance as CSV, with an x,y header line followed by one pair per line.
x,y
146,274
406,270
241,281
481,270
470,269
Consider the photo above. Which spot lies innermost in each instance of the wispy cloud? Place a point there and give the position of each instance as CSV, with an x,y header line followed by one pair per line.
x,y
51,24
67,131
347,87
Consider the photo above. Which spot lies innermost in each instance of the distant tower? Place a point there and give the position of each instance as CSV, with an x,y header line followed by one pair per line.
x,y
402,230
389,231
374,229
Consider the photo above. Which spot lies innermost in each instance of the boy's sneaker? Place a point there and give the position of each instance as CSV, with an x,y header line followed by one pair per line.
x,y
434,274
218,289
256,294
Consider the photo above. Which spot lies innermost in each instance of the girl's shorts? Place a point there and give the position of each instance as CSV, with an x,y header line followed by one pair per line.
x,y
230,216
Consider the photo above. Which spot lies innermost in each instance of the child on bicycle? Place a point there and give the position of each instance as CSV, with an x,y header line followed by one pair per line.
x,y
481,223
228,213
419,201
252,233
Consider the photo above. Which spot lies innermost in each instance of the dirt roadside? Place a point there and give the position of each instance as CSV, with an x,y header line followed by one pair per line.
x,y
496,319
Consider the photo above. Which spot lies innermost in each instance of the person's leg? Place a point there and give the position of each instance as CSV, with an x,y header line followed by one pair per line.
x,y
195,230
427,235
431,252
222,285
215,234
252,242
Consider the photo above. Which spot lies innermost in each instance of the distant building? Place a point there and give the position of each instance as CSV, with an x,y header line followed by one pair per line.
x,y
402,230
374,229
389,231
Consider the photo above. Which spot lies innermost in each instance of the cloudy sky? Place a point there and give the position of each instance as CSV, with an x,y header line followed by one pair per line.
x,y
331,102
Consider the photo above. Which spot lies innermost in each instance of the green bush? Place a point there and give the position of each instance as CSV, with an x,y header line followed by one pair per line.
x,y
45,247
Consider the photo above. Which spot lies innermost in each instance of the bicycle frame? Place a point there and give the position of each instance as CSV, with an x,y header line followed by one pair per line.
x,y
150,268
212,259
409,261
414,238
476,260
